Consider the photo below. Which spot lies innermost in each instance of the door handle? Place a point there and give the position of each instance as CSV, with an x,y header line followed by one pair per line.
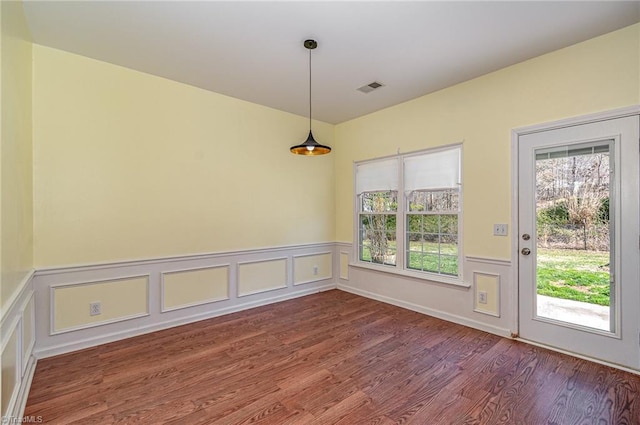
x,y
525,251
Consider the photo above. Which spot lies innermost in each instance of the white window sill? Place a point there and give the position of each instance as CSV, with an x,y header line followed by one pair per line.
x,y
431,277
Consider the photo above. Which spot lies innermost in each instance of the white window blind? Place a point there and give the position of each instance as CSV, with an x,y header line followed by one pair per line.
x,y
377,176
437,170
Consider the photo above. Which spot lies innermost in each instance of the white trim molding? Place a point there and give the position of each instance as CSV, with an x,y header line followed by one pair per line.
x,y
259,252
416,275
577,120
489,260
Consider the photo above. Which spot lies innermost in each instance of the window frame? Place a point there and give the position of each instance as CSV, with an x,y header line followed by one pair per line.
x,y
402,214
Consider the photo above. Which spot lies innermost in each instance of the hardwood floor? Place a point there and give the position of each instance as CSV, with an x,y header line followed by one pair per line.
x,y
329,358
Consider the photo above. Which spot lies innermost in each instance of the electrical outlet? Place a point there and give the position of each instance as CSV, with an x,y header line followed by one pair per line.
x,y
95,309
315,270
482,297
500,229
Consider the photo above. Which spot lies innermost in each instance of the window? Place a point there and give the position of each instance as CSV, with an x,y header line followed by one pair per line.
x,y
409,212
377,188
432,231
378,228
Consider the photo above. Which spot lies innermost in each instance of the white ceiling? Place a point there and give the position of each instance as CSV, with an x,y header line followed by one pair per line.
x,y
253,50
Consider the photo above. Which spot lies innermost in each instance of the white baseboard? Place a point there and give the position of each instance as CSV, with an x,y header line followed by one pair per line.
x,y
428,311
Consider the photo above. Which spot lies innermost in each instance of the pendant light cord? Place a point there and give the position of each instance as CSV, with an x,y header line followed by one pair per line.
x,y
309,90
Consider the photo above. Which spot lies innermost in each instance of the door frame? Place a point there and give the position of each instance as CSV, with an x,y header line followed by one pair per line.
x,y
515,135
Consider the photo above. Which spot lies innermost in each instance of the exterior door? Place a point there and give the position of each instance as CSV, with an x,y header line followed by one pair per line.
x,y
579,254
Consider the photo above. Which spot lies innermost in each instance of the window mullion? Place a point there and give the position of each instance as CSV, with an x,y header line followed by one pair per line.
x,y
401,217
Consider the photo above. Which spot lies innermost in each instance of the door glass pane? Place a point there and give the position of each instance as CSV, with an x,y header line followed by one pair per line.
x,y
574,228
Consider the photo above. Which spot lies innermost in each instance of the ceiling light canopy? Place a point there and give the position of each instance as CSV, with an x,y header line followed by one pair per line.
x,y
310,146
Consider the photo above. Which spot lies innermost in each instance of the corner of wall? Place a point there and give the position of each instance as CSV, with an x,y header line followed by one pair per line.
x,y
17,311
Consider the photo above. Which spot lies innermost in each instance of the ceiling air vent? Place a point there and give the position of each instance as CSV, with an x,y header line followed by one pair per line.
x,y
370,87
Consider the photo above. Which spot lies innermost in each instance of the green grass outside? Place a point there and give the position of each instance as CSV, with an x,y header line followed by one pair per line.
x,y
425,257
574,275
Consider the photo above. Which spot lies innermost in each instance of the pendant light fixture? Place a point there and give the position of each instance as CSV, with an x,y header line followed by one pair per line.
x,y
310,146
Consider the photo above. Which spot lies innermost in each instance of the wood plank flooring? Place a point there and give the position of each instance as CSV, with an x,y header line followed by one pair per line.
x,y
328,358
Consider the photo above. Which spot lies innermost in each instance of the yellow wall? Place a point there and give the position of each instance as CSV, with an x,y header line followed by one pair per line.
x,y
596,75
128,165
16,205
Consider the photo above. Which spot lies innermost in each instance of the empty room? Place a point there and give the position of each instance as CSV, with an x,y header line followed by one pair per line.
x,y
310,212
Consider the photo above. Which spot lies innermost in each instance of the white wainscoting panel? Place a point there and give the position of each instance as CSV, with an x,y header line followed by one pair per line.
x,y
10,361
253,278
454,303
17,337
192,287
344,265
309,268
489,284
495,276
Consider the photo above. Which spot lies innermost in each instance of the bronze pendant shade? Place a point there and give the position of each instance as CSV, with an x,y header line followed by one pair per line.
x,y
310,146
